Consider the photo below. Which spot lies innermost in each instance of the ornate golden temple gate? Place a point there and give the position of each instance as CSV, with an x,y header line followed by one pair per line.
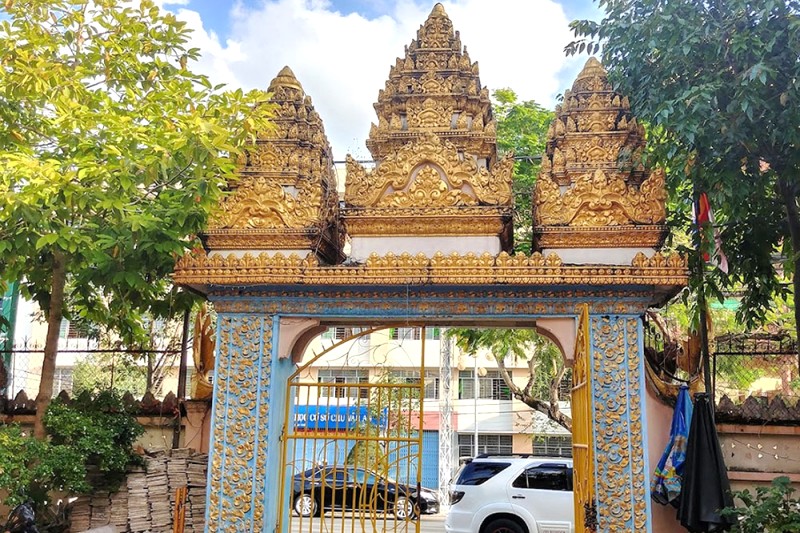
x,y
430,232
353,451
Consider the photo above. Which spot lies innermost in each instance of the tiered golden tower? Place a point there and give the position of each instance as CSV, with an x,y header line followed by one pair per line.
x,y
285,198
437,172
593,191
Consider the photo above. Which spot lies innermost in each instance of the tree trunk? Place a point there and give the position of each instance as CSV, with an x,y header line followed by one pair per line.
x,y
789,194
549,408
55,314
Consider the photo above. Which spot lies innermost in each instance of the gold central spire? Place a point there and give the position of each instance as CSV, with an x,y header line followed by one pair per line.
x,y
437,176
435,88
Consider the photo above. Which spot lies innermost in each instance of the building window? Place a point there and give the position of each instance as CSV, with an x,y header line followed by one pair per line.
x,y
412,377
342,332
344,377
552,445
432,334
489,444
62,380
491,386
405,334
77,329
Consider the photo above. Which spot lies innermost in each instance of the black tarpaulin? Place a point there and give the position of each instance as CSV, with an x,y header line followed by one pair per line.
x,y
706,489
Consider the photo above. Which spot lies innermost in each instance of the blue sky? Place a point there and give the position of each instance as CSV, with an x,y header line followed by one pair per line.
x,y
341,50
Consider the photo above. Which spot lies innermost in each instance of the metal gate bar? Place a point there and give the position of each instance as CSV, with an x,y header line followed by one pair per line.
x,y
348,451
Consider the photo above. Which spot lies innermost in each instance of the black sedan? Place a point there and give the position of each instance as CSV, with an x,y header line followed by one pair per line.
x,y
350,488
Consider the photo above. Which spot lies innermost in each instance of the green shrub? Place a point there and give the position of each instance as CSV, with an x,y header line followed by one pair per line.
x,y
771,509
89,447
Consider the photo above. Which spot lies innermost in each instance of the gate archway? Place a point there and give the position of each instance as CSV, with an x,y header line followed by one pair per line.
x,y
430,243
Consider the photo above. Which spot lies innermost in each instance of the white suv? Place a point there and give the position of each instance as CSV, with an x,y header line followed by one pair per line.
x,y
494,494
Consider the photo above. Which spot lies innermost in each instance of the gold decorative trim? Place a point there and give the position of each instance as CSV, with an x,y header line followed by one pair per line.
x,y
651,236
416,222
536,269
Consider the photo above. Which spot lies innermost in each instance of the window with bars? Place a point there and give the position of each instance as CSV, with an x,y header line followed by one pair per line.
x,y
405,334
552,445
490,387
342,332
343,376
490,444
74,330
412,376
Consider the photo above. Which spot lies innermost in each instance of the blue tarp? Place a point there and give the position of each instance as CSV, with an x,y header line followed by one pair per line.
x,y
666,485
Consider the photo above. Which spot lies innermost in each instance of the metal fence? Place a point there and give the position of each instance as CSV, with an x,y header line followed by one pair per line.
x,y
759,365
84,367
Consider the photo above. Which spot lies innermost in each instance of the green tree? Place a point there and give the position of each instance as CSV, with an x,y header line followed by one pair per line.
x,y
522,129
718,85
546,365
112,153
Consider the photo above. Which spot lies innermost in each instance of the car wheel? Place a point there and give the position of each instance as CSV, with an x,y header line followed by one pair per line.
x,y
404,508
305,505
502,525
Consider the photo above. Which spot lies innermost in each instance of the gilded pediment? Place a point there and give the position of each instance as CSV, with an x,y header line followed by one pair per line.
x,y
261,203
432,171
600,200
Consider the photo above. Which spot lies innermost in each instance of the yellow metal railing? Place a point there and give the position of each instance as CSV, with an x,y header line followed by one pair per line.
x,y
353,460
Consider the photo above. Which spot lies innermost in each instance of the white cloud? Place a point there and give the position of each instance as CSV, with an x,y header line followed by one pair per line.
x,y
343,60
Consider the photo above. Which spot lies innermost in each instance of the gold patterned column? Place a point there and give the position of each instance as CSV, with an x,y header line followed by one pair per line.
x,y
623,500
237,485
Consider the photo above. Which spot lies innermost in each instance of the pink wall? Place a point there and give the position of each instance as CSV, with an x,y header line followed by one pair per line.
x,y
659,420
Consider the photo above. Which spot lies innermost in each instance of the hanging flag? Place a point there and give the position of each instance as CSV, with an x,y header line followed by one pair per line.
x,y
703,217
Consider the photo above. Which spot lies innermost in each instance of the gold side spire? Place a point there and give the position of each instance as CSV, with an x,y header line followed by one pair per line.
x,y
593,190
286,196
285,78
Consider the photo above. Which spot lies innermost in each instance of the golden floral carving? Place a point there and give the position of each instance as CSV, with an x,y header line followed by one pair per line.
x,y
536,269
430,115
601,200
396,172
261,202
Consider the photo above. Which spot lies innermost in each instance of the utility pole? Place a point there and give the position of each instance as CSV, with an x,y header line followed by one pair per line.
x,y
445,418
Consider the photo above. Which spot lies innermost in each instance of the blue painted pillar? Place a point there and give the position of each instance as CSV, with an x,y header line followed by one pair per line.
x,y
249,397
618,398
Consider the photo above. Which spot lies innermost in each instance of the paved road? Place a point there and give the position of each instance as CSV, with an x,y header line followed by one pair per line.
x,y
344,524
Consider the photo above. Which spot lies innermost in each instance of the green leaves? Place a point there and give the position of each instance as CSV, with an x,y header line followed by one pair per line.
x,y
771,509
94,433
521,129
715,83
107,140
